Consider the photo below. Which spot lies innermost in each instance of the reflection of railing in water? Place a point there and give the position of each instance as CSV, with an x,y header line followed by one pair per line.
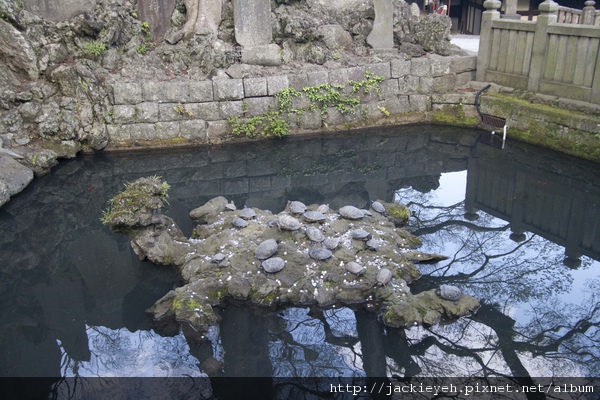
x,y
563,209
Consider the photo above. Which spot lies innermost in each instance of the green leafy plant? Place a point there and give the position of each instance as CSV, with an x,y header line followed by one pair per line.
x,y
143,195
147,42
384,111
268,124
321,97
95,48
145,27
327,95
285,97
369,83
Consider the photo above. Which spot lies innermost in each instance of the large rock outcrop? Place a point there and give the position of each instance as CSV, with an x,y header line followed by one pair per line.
x,y
326,259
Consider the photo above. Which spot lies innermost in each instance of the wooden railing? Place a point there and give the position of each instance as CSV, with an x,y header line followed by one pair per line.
x,y
541,56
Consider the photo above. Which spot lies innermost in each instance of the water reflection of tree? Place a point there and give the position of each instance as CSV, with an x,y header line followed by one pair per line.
x,y
523,328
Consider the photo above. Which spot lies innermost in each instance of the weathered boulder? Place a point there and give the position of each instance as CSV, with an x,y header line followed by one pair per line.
x,y
433,33
346,13
58,10
334,36
14,177
207,213
17,52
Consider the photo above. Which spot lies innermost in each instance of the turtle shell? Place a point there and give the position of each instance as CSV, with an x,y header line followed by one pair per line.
x,y
247,213
239,223
377,206
384,276
266,249
217,258
319,253
449,292
374,244
323,208
331,243
360,234
230,206
313,216
351,212
366,212
288,223
355,268
296,207
314,234
274,264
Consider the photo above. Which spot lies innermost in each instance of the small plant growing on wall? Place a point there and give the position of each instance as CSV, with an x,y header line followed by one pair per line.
x,y
94,49
370,82
181,110
147,43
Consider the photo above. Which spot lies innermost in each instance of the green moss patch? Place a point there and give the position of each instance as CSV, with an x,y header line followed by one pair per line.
x,y
453,115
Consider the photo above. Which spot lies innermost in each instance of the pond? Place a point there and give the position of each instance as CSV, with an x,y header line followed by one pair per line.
x,y
521,228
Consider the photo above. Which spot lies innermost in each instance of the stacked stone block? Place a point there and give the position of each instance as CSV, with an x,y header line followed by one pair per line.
x,y
197,111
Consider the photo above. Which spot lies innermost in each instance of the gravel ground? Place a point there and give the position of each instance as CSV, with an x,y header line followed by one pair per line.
x,y
467,42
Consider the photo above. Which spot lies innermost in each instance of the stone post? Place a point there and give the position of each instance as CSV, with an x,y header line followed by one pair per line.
x,y
382,35
548,15
511,10
485,37
588,13
157,13
252,19
254,32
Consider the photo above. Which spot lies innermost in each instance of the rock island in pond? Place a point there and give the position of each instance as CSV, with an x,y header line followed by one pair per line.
x,y
271,261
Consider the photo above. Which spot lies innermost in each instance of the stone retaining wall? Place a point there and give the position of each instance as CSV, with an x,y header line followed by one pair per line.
x,y
197,111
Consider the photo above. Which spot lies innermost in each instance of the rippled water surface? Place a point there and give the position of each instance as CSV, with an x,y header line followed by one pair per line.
x,y
521,228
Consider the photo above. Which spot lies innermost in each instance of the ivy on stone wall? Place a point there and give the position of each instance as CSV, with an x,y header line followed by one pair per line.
x,y
321,98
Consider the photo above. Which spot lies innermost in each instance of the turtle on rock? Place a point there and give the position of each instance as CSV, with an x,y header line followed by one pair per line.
x,y
273,264
449,292
239,222
313,216
247,213
377,206
319,253
351,212
331,243
384,276
297,207
288,223
355,268
266,249
314,234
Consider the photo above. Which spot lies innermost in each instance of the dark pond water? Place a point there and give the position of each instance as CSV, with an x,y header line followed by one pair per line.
x,y
521,228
